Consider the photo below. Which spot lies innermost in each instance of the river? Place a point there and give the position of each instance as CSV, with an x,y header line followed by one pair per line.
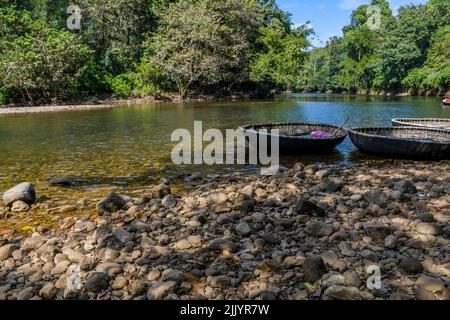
x,y
128,147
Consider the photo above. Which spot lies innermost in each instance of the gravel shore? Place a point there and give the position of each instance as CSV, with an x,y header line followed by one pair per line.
x,y
42,109
318,232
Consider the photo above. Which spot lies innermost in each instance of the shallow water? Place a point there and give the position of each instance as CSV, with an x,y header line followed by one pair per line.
x,y
129,147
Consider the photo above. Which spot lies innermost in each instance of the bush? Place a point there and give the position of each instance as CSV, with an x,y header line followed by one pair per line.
x,y
414,79
122,85
92,80
131,85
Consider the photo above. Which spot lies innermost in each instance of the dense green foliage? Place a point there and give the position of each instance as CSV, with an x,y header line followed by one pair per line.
x,y
409,52
38,62
138,48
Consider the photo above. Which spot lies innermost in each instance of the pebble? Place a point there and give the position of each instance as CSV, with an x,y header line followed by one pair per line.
x,y
111,203
160,289
332,261
430,283
309,208
20,206
97,282
426,228
48,291
313,269
110,268
183,245
405,186
411,266
256,237
61,267
119,283
25,294
217,197
243,229
320,229
153,275
160,191
390,241
221,282
169,201
123,235
343,293
137,287
7,250
172,275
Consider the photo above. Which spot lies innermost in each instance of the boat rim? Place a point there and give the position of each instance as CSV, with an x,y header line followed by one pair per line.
x,y
417,121
354,131
248,127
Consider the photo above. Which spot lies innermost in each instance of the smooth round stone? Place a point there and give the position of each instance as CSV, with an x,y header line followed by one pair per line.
x,y
119,283
426,228
20,206
411,266
243,229
97,282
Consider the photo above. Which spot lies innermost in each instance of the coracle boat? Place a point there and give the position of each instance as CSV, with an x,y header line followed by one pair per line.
x,y
300,137
405,142
434,123
446,102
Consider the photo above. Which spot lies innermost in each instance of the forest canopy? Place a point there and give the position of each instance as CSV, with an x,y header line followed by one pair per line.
x,y
139,48
409,52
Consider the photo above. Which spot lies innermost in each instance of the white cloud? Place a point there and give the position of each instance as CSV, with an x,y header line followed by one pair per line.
x,y
350,4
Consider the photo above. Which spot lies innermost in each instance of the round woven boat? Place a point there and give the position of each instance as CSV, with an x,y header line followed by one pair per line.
x,y
295,137
435,123
406,142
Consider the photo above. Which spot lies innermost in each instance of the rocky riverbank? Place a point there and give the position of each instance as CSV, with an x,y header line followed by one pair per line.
x,y
306,233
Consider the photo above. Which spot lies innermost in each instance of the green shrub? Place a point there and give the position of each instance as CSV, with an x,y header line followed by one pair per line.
x,y
131,85
122,85
92,80
414,79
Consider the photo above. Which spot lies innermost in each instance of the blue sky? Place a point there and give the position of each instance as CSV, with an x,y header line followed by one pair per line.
x,y
329,16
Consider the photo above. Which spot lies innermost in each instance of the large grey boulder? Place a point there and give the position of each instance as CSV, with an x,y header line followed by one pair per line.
x,y
23,191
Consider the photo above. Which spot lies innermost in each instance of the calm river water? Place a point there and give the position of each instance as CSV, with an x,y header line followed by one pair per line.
x,y
130,146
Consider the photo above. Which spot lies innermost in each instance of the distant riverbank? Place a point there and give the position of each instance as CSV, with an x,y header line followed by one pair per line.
x,y
389,94
91,104
166,98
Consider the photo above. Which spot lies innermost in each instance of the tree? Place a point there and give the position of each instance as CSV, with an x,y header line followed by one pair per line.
x,y
270,11
39,63
115,30
435,74
404,47
205,42
283,54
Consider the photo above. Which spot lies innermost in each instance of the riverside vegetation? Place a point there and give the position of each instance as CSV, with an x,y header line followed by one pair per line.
x,y
144,48
308,232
